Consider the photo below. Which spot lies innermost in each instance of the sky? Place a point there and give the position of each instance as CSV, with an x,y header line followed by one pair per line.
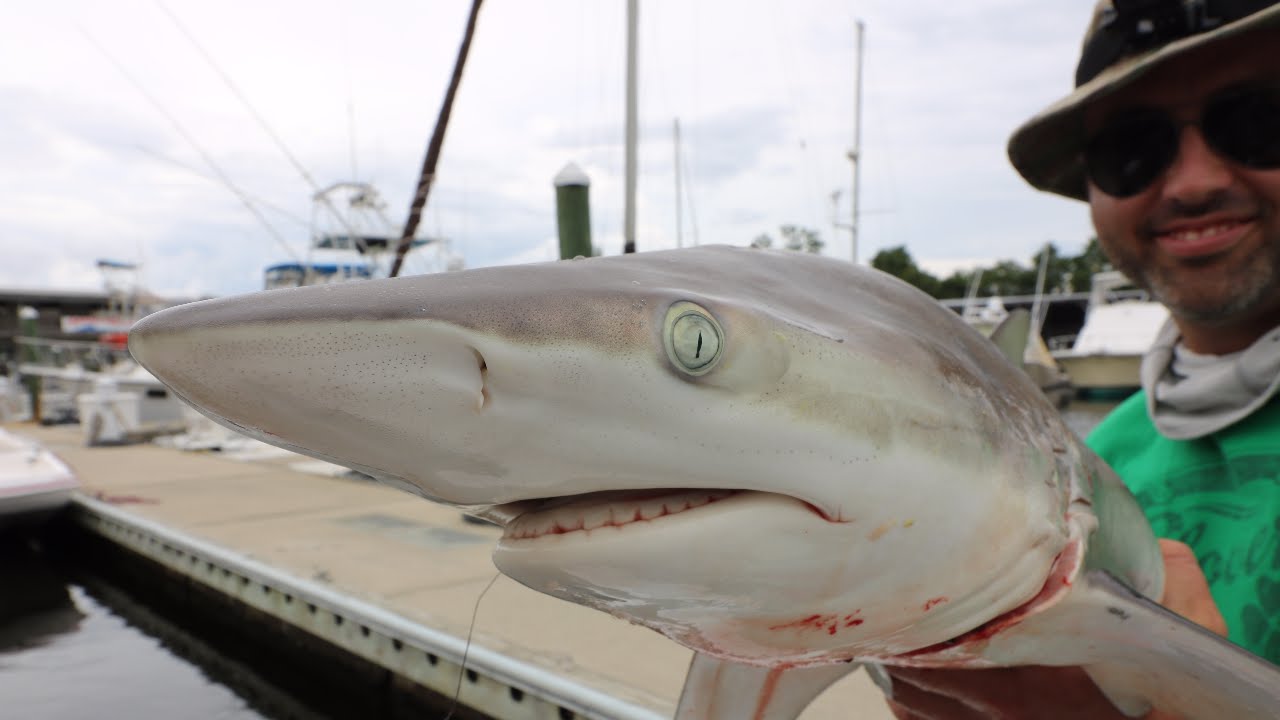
x,y
142,131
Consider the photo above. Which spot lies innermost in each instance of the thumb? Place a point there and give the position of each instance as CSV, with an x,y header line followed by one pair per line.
x,y
1186,590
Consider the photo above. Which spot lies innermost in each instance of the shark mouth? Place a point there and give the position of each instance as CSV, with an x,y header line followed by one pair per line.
x,y
615,509
533,519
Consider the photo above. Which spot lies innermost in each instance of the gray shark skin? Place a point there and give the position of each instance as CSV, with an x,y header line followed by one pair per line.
x,y
789,464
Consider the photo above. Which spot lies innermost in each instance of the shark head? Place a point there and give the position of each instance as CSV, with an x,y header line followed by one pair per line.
x,y
768,457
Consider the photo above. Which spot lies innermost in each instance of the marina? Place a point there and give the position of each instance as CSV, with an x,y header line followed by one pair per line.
x,y
883,485
371,592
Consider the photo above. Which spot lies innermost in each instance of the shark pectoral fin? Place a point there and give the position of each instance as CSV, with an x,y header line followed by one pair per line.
x,y
1012,334
722,690
1163,659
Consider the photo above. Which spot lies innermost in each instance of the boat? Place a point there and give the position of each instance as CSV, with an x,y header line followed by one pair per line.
x,y
95,381
34,483
1056,382
1104,358
352,239
15,402
128,404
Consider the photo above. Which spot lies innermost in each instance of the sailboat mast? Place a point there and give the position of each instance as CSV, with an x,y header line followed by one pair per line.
x,y
679,209
629,213
856,150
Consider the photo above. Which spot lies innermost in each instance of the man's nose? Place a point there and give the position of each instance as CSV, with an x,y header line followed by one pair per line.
x,y
1198,173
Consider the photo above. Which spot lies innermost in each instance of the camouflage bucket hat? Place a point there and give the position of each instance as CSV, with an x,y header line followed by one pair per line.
x,y
1125,40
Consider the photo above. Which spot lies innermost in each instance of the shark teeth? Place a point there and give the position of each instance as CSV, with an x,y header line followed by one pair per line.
x,y
607,510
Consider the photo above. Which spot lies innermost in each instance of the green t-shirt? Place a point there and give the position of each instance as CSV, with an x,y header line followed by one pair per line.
x,y
1219,494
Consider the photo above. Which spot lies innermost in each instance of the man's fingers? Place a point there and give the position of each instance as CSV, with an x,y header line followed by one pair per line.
x,y
1016,692
984,689
914,703
1186,591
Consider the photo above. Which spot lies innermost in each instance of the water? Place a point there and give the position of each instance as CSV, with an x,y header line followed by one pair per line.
x,y
74,646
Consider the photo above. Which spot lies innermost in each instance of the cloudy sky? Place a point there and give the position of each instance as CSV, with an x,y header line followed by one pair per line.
x,y
115,130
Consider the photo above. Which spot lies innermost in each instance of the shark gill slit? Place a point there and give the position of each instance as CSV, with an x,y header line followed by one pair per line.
x,y
484,376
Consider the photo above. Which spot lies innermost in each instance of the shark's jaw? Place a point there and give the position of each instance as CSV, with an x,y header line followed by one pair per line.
x,y
689,564
788,497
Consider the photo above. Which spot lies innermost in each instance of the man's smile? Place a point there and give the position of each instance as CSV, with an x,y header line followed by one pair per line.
x,y
1202,238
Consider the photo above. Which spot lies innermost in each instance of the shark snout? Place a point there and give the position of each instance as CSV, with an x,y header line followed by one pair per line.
x,y
395,398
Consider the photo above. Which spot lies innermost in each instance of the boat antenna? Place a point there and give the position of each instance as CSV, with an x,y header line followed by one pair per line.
x,y
1038,309
428,174
679,213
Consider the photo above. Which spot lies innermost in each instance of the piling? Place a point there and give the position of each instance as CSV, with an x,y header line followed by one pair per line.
x,y
573,212
28,327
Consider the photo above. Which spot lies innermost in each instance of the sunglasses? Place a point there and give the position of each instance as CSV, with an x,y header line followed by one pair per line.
x,y
1135,147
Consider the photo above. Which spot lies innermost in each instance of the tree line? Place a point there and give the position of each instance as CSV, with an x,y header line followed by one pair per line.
x,y
1064,273
1007,277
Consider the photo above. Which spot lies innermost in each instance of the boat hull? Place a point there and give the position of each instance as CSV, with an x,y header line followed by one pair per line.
x,y
1107,374
34,483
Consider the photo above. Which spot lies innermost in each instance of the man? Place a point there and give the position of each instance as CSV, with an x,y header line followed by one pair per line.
x,y
1173,138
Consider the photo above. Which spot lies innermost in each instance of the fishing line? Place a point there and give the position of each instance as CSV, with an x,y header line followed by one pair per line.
x,y
317,191
462,668
244,197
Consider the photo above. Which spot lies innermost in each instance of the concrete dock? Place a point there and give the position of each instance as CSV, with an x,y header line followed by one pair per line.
x,y
387,577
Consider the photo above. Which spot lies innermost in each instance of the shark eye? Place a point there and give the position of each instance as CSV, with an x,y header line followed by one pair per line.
x,y
693,338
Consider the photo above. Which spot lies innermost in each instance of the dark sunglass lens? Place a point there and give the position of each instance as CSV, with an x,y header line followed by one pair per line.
x,y
1245,127
1127,155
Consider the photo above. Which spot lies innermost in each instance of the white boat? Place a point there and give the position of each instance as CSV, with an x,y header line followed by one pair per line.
x,y
352,239
96,382
1117,332
126,405
34,482
65,369
15,403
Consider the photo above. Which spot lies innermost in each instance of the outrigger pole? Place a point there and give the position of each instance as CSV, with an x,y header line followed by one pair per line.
x,y
433,148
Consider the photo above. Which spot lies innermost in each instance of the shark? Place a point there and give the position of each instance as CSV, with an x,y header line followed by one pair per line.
x,y
792,465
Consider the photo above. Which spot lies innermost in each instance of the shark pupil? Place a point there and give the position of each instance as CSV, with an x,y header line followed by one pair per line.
x,y
694,342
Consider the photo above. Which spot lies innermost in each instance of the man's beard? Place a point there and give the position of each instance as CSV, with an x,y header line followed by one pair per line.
x,y
1228,288
1252,285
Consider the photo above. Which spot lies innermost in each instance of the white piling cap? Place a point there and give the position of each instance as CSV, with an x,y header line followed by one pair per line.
x,y
571,175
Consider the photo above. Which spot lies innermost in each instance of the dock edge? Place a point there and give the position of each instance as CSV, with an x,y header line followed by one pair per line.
x,y
492,683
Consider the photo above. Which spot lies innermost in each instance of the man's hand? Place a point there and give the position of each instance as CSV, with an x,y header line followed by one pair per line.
x,y
1046,693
